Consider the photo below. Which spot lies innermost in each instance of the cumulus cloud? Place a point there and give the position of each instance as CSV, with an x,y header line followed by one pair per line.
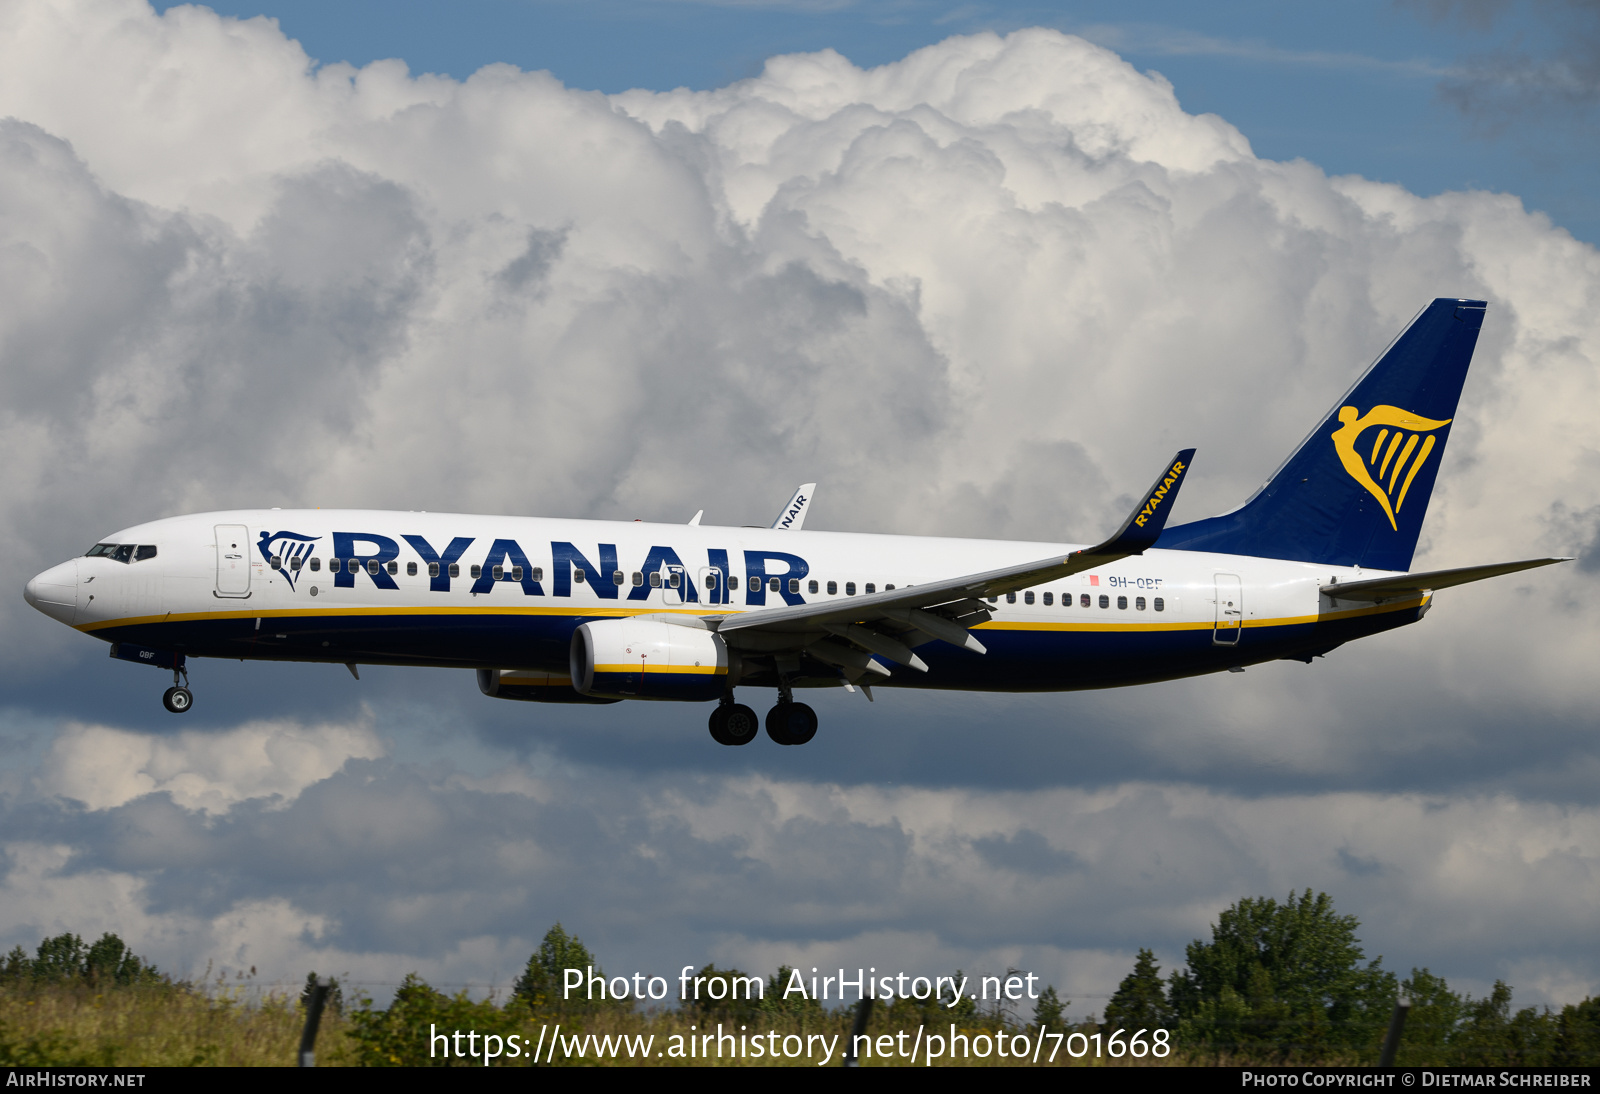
x,y
208,772
983,290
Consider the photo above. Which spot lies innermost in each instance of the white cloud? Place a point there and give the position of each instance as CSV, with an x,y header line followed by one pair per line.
x,y
982,290
210,772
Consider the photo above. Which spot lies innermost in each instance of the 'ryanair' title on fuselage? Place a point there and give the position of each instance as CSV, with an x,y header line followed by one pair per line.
x,y
292,553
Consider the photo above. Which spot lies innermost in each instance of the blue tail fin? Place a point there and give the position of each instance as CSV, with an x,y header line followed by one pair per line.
x,y
1355,492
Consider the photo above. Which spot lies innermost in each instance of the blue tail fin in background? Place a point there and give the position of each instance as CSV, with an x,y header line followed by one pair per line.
x,y
1355,492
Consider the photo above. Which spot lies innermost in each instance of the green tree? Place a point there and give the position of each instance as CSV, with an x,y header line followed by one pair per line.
x,y
1050,1011
1577,1042
403,1035
65,959
334,1004
1491,1036
742,997
1140,1001
540,987
796,1007
1284,981
1435,1013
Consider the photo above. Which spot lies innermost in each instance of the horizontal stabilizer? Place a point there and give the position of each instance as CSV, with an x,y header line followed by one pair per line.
x,y
1406,585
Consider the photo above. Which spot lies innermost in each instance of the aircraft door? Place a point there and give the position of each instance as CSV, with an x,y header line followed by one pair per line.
x,y
1230,610
713,585
673,580
233,560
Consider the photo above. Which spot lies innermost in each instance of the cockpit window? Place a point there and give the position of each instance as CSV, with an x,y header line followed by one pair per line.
x,y
122,552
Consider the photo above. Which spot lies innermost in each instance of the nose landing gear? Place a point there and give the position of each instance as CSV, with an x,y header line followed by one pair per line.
x,y
178,698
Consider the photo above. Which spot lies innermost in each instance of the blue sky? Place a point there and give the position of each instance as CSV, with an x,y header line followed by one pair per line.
x,y
1362,87
981,293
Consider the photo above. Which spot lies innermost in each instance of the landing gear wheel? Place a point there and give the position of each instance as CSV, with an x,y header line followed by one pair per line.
x,y
178,700
734,724
791,723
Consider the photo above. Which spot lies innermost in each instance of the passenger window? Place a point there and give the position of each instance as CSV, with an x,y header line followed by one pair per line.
x,y
516,573
146,550
1011,598
711,581
888,588
499,573
1122,603
871,588
655,580
477,571
994,600
577,575
433,569
673,580
276,562
1105,601
618,577
638,578
296,562
772,584
811,586
1138,602
538,573
733,582
394,568
1049,598
833,588
1084,600
1161,604
354,565
1027,597
316,564
794,584
455,569
372,566
849,588
411,569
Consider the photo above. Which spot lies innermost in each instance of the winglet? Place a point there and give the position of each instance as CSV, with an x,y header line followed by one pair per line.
x,y
1143,527
793,515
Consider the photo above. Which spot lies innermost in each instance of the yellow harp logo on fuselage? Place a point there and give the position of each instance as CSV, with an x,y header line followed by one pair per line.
x,y
1388,468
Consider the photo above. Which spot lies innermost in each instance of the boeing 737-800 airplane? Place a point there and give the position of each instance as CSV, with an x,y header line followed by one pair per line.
x,y
584,611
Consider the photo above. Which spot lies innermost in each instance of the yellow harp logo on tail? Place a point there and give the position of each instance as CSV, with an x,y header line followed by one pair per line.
x,y
1386,470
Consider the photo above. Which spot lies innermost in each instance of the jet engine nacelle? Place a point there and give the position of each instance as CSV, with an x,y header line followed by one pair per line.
x,y
646,659
532,687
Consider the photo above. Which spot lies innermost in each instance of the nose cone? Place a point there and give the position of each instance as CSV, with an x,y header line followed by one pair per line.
x,y
55,592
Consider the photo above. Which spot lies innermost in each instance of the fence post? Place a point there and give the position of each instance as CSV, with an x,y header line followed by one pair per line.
x,y
308,1036
1397,1024
863,1012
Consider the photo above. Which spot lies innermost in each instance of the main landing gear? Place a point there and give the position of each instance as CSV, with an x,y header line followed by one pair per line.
x,y
733,723
788,723
178,697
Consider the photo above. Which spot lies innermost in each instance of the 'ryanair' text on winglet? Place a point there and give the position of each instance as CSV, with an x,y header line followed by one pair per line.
x,y
1143,527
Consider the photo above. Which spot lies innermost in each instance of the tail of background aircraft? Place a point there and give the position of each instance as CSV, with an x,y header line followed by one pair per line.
x,y
1356,490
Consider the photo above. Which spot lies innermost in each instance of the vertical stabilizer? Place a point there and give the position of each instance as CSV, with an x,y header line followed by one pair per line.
x,y
1356,490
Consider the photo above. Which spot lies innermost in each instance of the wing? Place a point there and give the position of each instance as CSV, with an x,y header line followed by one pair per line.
x,y
890,623
1409,585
